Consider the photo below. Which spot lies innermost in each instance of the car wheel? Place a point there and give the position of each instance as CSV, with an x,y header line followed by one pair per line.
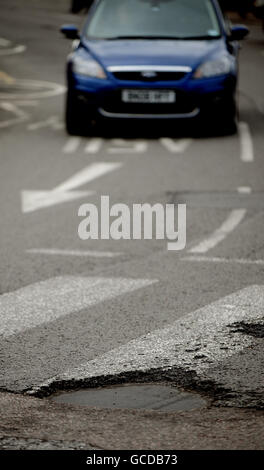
x,y
76,122
221,120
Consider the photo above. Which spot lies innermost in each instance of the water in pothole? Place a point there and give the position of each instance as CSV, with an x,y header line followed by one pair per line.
x,y
134,396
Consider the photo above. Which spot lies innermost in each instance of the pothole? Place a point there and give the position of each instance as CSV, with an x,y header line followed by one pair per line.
x,y
134,396
251,329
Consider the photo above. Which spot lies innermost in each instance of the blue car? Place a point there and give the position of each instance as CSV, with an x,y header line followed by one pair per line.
x,y
153,59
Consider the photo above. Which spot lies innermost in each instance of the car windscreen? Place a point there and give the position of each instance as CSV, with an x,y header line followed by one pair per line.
x,y
183,19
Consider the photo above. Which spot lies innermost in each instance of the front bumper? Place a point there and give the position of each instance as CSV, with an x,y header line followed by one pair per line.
x,y
103,98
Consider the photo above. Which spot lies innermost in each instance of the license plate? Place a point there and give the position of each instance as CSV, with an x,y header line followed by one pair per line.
x,y
148,96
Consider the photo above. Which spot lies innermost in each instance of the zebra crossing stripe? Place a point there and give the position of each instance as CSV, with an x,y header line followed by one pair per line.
x,y
71,145
93,146
194,342
48,300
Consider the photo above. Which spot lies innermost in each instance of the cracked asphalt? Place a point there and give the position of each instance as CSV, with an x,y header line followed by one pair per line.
x,y
77,314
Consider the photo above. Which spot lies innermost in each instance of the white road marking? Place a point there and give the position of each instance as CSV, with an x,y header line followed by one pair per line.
x,y
178,146
126,146
88,174
46,301
204,259
195,342
246,143
20,116
72,145
53,122
27,103
14,50
78,253
93,146
233,220
35,200
4,42
32,90
10,107
244,190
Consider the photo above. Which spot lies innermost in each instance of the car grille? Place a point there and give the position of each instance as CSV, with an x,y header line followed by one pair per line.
x,y
184,104
138,76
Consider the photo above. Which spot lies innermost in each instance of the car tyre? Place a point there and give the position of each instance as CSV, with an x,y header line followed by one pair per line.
x,y
220,121
76,120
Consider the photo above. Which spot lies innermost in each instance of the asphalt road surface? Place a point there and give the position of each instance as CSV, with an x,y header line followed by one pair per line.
x,y
76,313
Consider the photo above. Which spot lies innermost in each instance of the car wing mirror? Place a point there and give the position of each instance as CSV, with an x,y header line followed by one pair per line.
x,y
70,31
238,32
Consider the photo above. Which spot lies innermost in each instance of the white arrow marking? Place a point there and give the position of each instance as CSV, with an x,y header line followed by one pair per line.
x,y
34,200
88,174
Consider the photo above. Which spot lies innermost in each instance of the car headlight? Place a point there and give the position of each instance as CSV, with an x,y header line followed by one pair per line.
x,y
88,67
214,68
